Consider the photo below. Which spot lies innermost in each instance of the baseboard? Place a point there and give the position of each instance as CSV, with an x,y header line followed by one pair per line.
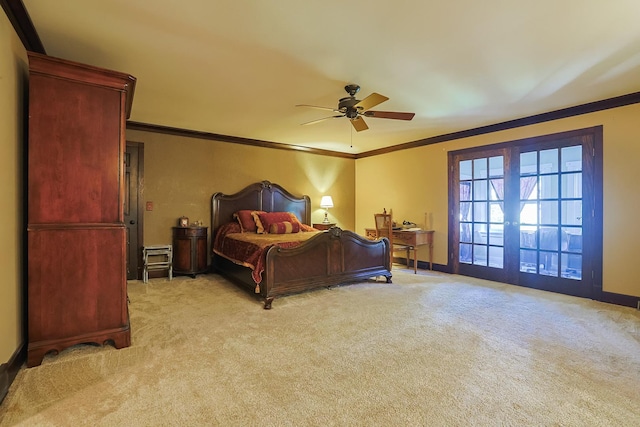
x,y
423,265
621,299
9,370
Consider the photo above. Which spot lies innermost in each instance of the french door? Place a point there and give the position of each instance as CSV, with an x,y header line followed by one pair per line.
x,y
529,212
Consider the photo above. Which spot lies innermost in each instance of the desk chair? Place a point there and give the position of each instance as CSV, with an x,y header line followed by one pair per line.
x,y
384,228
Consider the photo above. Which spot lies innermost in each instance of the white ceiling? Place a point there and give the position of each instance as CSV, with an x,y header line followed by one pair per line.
x,y
239,67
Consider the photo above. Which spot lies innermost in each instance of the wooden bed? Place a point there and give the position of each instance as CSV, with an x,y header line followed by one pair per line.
x,y
328,258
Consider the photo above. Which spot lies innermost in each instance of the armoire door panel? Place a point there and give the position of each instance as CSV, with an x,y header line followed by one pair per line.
x,y
74,176
72,277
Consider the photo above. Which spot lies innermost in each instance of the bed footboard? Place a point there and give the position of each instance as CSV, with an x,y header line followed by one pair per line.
x,y
333,257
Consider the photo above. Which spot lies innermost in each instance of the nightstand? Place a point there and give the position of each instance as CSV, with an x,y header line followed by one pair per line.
x,y
189,250
323,226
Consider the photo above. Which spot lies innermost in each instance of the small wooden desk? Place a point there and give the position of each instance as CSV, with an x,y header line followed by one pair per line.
x,y
414,238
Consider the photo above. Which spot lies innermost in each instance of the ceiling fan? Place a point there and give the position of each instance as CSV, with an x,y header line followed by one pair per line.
x,y
355,109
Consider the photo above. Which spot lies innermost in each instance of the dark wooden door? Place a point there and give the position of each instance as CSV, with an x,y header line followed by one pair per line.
x,y
530,212
133,212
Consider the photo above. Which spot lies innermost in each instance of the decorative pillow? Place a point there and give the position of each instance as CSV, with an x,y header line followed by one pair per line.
x,y
265,219
256,220
246,220
284,227
303,227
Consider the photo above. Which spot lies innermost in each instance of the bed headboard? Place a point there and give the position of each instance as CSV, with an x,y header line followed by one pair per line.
x,y
261,196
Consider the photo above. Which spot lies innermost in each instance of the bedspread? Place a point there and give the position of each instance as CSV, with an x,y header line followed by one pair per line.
x,y
250,249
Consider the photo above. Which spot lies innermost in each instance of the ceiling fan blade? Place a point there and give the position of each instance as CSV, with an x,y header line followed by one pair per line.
x,y
370,101
319,108
389,115
359,124
320,120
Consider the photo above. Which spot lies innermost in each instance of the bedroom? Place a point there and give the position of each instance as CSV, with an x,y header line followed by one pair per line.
x,y
181,174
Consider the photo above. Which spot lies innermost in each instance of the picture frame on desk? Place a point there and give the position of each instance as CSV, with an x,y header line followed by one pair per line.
x,y
183,221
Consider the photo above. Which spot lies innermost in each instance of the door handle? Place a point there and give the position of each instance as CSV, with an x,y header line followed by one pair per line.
x,y
132,222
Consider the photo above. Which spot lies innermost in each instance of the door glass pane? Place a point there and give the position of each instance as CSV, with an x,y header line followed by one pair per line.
x,y
496,212
572,185
465,253
496,166
572,266
480,234
527,187
465,234
529,237
528,163
529,213
548,263
549,238
465,191
480,189
480,211
480,168
573,237
571,212
479,254
528,261
465,211
496,256
496,236
549,187
465,170
497,189
572,158
549,212
549,161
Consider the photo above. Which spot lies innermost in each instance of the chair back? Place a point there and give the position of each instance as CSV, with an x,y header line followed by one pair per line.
x,y
384,226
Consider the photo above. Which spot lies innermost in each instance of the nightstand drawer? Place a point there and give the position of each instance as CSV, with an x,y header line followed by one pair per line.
x,y
190,231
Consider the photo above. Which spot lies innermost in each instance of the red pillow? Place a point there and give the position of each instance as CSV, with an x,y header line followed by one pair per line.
x,y
268,218
284,227
246,221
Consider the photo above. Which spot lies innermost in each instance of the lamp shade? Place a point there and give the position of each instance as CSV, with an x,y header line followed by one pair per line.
x,y
326,202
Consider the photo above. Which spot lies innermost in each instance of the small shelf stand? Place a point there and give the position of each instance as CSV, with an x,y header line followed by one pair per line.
x,y
157,257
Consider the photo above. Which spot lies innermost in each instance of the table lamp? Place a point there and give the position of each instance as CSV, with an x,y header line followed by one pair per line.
x,y
326,202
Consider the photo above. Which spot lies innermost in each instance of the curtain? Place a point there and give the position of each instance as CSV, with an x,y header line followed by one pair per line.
x,y
465,227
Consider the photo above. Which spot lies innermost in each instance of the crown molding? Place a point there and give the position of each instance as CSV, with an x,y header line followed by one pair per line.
x,y
19,18
147,127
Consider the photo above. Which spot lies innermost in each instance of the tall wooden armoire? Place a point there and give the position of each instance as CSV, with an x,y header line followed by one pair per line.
x,y
76,236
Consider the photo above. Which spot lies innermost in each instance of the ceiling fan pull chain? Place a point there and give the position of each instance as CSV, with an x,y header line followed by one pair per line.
x,y
351,136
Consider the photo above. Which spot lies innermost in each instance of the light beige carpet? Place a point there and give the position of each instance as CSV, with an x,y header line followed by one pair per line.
x,y
431,349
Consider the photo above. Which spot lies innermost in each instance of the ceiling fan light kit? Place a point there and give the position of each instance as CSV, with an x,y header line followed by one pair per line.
x,y
354,109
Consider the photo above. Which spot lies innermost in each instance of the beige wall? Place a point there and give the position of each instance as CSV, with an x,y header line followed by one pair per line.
x,y
13,73
181,174
413,182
